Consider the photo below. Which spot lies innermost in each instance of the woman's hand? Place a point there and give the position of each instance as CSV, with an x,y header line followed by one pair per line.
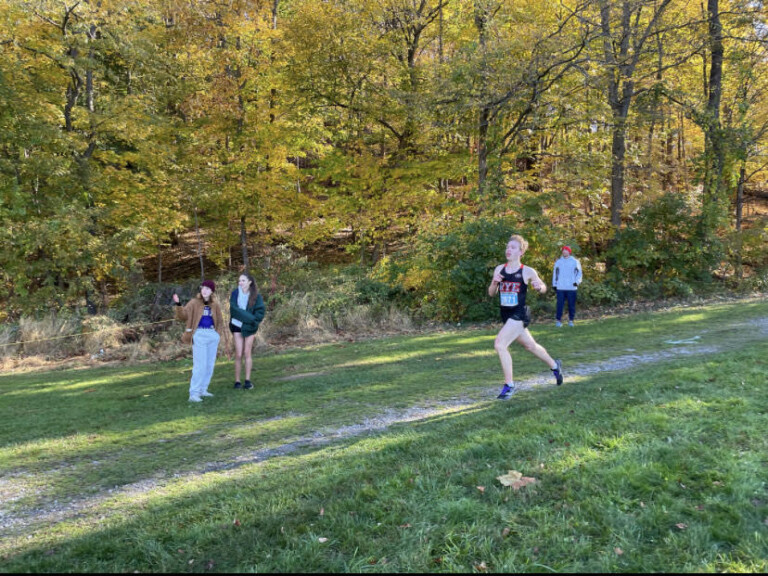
x,y
176,298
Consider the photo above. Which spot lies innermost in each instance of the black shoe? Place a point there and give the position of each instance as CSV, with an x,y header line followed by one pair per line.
x,y
238,385
248,385
558,372
506,392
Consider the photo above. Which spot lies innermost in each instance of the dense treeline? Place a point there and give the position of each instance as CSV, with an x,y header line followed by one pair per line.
x,y
635,130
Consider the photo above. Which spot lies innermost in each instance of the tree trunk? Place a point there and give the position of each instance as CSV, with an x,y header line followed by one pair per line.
x,y
159,264
618,152
482,150
244,245
714,146
199,247
739,210
481,22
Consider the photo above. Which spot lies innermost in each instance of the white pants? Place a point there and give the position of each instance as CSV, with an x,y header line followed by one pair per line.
x,y
205,342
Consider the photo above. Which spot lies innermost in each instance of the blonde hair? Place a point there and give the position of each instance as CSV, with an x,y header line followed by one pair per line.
x,y
520,240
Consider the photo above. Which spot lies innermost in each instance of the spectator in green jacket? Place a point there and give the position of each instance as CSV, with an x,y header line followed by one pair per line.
x,y
246,311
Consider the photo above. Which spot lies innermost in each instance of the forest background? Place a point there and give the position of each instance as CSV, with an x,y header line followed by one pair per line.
x,y
366,160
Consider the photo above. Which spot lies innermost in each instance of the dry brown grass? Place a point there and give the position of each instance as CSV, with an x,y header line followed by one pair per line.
x,y
8,335
53,337
100,340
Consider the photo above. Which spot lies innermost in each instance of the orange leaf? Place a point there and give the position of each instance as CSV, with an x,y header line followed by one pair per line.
x,y
618,551
481,488
524,481
322,511
505,532
236,522
481,567
405,525
681,526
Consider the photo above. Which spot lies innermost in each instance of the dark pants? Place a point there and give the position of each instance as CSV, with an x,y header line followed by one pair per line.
x,y
562,295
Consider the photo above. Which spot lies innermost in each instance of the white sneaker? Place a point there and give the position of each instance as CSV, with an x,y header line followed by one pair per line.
x,y
195,399
570,323
558,324
207,394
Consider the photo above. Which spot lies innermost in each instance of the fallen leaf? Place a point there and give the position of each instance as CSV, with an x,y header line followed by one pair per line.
x,y
681,525
321,540
505,532
191,562
510,478
405,525
515,479
236,522
180,551
322,511
642,504
700,507
481,567
481,489
524,481
618,551
209,565
717,483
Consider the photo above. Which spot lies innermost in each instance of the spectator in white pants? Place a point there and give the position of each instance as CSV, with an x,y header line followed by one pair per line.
x,y
205,344
204,329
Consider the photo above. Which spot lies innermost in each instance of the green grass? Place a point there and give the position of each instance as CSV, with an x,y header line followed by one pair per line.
x,y
621,458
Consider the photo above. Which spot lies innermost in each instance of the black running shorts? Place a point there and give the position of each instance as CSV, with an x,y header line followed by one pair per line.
x,y
519,313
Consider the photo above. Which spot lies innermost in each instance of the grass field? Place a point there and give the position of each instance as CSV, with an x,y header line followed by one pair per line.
x,y
383,456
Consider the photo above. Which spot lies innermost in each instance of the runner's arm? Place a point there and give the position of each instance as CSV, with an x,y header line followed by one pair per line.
x,y
493,289
533,280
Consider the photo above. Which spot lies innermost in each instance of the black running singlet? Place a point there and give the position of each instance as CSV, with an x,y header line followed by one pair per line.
x,y
512,290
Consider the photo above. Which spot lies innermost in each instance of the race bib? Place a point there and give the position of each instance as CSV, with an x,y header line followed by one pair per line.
x,y
509,293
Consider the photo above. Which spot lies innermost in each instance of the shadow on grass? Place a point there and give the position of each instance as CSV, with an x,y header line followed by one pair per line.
x,y
661,465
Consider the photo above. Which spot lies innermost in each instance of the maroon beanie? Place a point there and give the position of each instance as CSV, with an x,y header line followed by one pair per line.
x,y
209,284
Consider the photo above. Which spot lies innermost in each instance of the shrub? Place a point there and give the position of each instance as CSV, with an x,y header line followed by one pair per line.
x,y
447,270
660,253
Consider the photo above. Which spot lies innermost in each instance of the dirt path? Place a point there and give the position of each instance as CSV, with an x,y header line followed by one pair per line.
x,y
21,525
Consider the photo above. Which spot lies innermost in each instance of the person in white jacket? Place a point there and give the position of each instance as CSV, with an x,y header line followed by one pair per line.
x,y
566,277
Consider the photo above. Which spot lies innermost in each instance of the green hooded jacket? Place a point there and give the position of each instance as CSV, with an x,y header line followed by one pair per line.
x,y
250,317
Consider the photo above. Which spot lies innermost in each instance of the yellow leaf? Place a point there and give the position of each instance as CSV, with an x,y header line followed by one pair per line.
x,y
515,479
510,478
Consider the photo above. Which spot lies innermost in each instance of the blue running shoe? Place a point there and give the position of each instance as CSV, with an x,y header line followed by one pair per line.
x,y
506,392
248,385
558,372
238,385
